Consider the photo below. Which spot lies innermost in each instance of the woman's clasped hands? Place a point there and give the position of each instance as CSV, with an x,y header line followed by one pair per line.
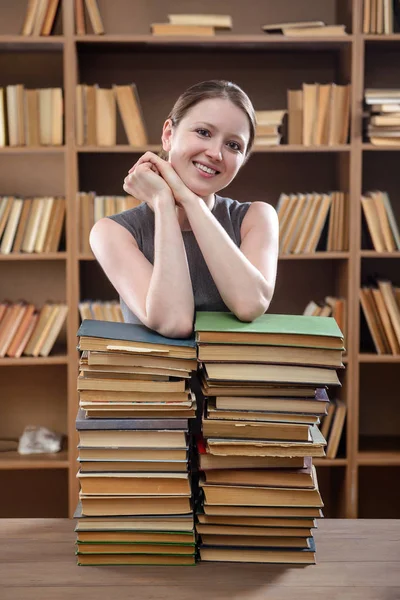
x,y
152,176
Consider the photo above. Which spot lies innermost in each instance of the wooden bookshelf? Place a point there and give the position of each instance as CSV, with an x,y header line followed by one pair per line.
x,y
43,391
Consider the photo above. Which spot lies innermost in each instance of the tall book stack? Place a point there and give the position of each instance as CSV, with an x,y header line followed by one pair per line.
x,y
264,385
134,440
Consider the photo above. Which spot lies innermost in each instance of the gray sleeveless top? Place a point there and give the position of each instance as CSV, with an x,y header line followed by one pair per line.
x,y
139,221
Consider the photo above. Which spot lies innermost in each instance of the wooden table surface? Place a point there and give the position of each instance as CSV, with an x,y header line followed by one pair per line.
x,y
357,560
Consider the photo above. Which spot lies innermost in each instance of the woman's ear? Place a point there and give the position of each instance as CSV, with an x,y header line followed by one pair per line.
x,y
167,135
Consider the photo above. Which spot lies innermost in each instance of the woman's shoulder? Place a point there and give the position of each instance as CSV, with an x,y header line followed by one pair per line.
x,y
135,218
230,208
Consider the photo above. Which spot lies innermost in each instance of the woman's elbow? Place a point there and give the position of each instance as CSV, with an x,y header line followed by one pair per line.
x,y
181,330
248,311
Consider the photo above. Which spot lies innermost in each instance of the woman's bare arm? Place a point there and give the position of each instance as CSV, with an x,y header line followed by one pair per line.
x,y
245,277
161,296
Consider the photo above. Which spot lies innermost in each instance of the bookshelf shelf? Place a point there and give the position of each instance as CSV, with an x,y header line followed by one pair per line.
x,y
375,254
330,462
32,150
21,42
15,461
86,257
222,40
120,148
381,38
288,148
378,358
57,359
382,459
28,256
316,256
373,148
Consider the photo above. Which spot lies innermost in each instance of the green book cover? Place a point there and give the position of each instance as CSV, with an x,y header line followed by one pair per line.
x,y
268,323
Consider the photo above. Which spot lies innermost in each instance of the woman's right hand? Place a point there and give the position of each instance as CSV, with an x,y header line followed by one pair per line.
x,y
146,185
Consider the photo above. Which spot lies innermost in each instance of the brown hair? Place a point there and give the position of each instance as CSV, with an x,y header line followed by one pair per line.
x,y
214,88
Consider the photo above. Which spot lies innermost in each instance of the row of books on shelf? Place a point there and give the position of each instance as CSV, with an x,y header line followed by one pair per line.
x,y
249,461
101,311
380,221
313,220
96,115
31,117
381,308
40,16
319,114
31,225
381,16
383,116
28,331
308,221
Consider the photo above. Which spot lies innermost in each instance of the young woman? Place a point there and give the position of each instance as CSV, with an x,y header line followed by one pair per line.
x,y
185,248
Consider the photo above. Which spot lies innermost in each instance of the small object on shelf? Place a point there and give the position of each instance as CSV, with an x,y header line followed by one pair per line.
x,y
304,29
39,440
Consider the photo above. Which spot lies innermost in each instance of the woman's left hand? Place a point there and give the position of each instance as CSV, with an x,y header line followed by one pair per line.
x,y
180,191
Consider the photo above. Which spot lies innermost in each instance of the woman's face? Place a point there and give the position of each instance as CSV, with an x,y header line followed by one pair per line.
x,y
208,146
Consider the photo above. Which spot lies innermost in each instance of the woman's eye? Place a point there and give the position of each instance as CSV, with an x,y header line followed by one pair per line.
x,y
234,146
203,132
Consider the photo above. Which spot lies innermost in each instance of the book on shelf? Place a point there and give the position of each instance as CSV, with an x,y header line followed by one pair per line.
x,y
91,15
382,123
380,305
304,28
31,117
378,16
312,221
96,115
40,17
166,29
205,20
192,25
268,127
101,311
26,330
31,225
332,426
379,222
319,114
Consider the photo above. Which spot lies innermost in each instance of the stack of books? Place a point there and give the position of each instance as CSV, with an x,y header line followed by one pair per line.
x,y
133,424
311,222
383,116
192,25
268,127
264,385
